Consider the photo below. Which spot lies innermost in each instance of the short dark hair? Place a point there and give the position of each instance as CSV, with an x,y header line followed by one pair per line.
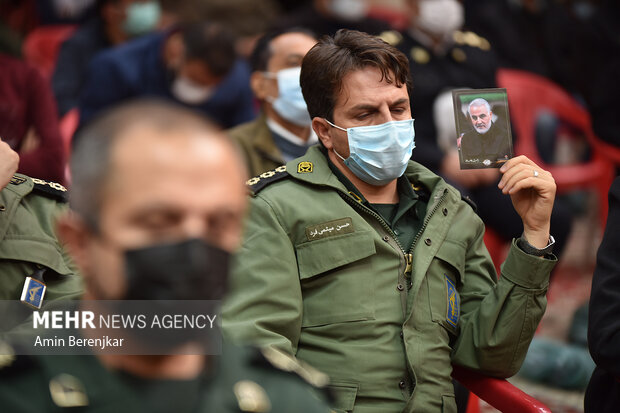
x,y
212,44
259,59
332,58
90,158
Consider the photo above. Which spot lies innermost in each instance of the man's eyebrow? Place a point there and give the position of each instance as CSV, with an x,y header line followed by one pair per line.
x,y
400,102
364,106
368,106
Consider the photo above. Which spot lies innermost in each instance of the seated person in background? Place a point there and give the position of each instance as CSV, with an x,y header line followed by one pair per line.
x,y
115,22
29,121
195,66
28,243
157,181
603,394
282,131
487,144
442,56
328,16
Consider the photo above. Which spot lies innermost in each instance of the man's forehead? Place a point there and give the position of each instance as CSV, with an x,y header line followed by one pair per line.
x,y
143,147
368,83
291,45
481,107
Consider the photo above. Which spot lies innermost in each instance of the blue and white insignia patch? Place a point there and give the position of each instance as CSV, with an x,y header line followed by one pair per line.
x,y
33,292
454,308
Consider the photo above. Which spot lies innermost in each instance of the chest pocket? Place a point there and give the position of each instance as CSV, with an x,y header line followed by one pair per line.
x,y
444,278
336,279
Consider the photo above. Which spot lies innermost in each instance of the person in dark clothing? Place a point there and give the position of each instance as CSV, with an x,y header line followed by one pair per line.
x,y
603,393
444,56
28,120
326,17
195,66
116,22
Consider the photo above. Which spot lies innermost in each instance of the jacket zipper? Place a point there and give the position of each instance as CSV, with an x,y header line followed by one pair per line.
x,y
427,219
408,255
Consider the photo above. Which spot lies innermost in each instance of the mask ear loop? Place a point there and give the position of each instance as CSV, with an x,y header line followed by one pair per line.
x,y
333,148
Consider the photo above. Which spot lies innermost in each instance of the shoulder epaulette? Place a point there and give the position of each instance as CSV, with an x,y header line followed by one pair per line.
x,y
261,181
50,189
471,203
391,37
286,362
471,39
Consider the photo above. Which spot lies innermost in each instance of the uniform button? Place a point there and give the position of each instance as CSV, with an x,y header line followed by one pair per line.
x,y
399,287
2,208
401,384
401,334
445,211
410,284
428,241
386,238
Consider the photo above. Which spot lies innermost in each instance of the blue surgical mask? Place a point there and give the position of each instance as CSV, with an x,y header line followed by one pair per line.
x,y
290,103
141,18
379,153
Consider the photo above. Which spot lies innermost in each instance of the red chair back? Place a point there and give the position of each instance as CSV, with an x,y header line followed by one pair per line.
x,y
528,95
499,393
41,46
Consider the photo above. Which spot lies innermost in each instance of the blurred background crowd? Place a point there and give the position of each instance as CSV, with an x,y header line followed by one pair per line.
x,y
64,61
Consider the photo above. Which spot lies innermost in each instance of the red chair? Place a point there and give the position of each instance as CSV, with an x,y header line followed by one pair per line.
x,y
498,393
41,46
393,16
528,95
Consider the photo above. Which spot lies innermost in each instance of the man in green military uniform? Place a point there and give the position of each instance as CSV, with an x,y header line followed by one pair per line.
x,y
158,182
282,131
29,248
370,267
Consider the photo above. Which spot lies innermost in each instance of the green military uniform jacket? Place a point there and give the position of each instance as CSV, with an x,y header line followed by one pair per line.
x,y
256,142
323,277
29,208
241,380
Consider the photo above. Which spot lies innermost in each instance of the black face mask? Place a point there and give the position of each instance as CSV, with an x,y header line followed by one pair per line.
x,y
186,277
188,270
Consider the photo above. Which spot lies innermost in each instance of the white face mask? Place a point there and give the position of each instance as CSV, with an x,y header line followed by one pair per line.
x,y
439,17
190,92
353,10
290,103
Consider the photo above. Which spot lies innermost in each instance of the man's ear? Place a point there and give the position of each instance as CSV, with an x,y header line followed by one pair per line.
x,y
75,235
322,130
258,83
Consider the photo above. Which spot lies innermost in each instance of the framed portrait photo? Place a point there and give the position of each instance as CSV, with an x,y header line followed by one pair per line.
x,y
483,127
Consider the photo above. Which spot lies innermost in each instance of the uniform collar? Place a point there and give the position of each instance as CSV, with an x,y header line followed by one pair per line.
x,y
263,141
313,168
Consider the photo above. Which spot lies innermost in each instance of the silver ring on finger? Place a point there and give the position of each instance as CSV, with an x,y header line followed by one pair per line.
x,y
535,173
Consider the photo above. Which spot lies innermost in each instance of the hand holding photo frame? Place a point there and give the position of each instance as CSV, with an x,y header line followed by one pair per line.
x,y
483,127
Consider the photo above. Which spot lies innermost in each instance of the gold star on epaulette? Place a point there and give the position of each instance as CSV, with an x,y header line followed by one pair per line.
x,y
458,55
68,391
419,55
391,37
471,39
7,355
251,397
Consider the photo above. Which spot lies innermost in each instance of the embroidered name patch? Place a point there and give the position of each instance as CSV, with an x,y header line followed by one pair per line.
x,y
329,229
453,310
